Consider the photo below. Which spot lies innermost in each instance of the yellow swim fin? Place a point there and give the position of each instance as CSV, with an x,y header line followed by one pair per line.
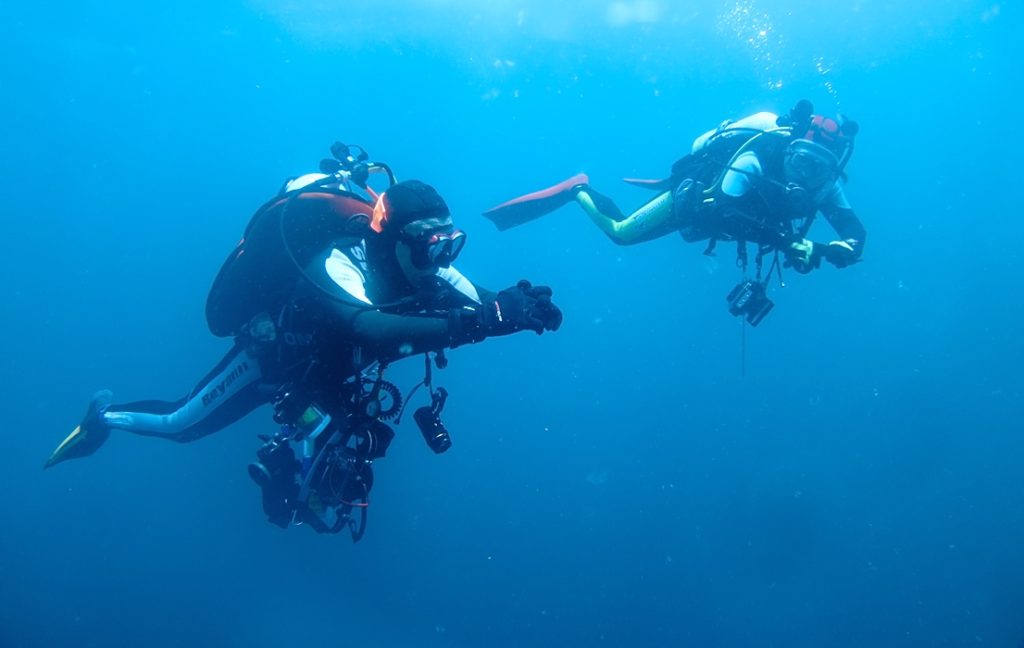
x,y
88,436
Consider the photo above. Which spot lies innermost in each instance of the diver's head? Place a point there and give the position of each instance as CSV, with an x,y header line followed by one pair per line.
x,y
834,134
412,218
809,164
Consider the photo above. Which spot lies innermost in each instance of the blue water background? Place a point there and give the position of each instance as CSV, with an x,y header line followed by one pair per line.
x,y
618,483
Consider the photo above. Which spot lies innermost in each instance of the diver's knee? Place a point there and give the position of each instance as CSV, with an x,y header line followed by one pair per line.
x,y
623,239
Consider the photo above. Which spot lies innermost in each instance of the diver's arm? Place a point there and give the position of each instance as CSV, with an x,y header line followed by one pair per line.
x,y
463,288
389,336
337,285
738,180
844,221
848,227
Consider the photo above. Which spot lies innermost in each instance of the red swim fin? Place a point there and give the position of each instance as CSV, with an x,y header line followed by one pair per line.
x,y
534,205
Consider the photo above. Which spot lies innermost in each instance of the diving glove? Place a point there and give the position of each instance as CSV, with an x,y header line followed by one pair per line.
x,y
802,256
521,307
840,253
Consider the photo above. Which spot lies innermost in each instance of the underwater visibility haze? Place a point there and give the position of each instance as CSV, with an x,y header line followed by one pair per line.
x,y
847,473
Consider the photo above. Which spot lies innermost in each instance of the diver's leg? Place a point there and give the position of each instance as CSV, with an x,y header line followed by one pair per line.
x,y
653,220
229,392
226,394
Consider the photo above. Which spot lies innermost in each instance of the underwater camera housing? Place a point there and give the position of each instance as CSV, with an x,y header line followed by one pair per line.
x,y
750,299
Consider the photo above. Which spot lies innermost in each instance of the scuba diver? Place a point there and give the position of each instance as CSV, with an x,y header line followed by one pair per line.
x,y
759,180
331,283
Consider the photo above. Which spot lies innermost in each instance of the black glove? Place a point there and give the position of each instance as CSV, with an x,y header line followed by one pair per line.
x,y
543,308
840,253
803,255
521,307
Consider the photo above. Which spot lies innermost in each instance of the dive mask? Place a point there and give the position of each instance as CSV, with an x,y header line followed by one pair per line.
x,y
433,248
810,165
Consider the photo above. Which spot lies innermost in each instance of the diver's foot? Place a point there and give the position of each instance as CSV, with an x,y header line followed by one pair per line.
x,y
577,183
534,205
90,434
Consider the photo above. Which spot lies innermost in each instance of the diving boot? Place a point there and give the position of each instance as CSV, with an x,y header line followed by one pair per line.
x,y
526,208
90,434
